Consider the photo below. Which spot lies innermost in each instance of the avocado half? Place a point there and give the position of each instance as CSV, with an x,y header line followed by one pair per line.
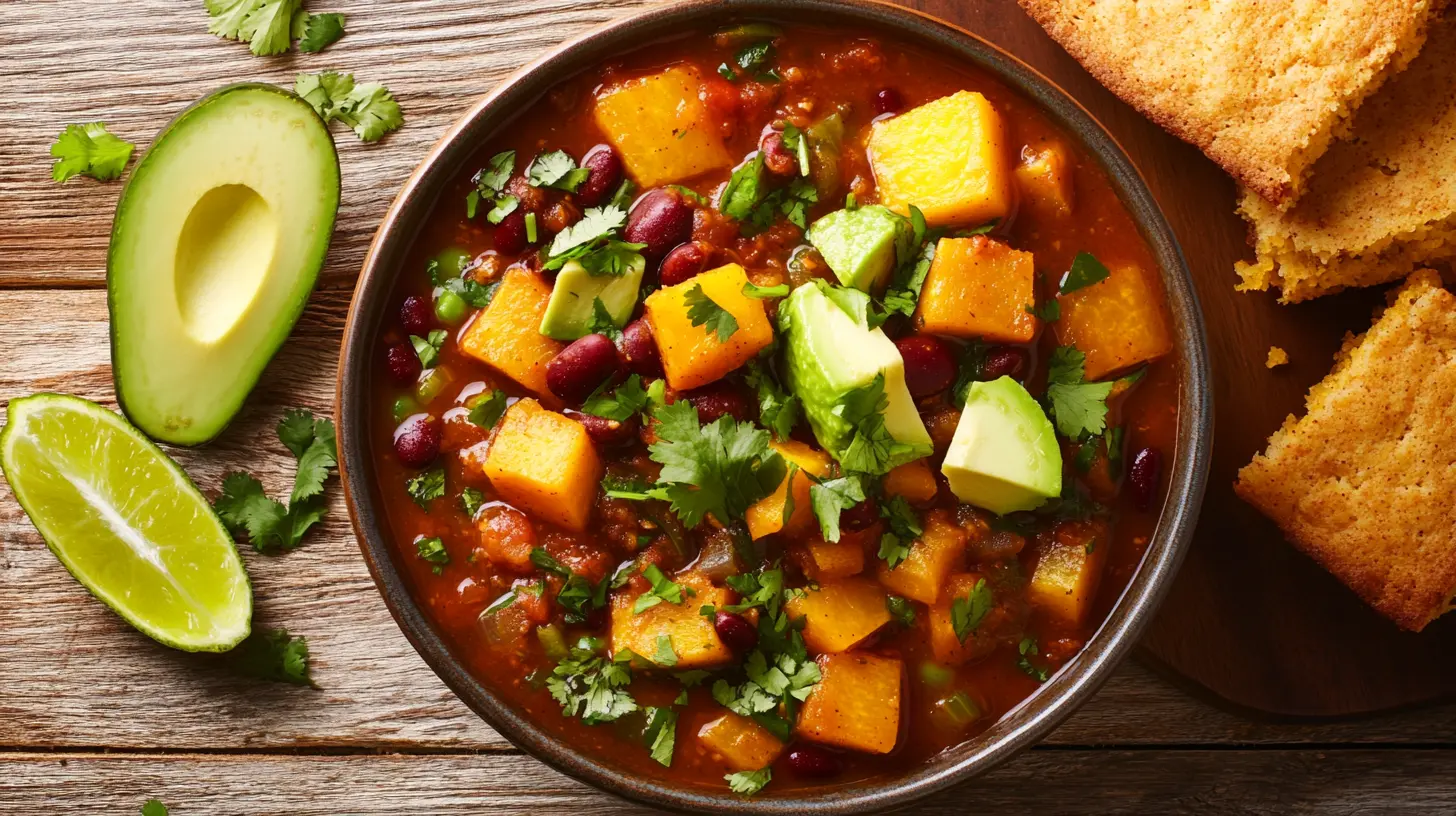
x,y
217,242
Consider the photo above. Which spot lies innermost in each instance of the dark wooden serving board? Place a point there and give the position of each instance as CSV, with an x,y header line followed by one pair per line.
x,y
1249,619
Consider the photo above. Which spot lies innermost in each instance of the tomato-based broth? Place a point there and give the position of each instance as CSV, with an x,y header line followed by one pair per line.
x,y
774,406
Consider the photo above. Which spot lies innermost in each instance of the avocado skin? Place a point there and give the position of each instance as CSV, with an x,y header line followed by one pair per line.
x,y
191,434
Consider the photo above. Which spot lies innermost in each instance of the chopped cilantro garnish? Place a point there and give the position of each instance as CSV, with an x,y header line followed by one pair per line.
x,y
661,733
625,402
753,290
428,348
1078,407
893,550
595,223
704,311
631,489
755,56
272,526
1049,312
601,321
315,32
486,409
556,169
778,410
272,654
593,243
490,184
471,501
471,291
662,589
1112,440
831,497
744,189
622,198
901,610
904,528
664,655
1086,270
1027,649
970,369
726,72
796,143
967,611
368,107
872,450
426,487
720,468
433,550
748,783
591,687
89,150
915,252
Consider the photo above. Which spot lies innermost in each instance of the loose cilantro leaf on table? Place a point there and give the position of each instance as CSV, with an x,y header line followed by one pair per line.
x,y
272,654
625,402
557,170
831,497
720,468
271,525
89,150
367,107
589,686
154,807
1078,407
967,611
315,32
426,487
1086,270
486,409
433,550
748,783
265,25
662,589
778,410
704,311
661,733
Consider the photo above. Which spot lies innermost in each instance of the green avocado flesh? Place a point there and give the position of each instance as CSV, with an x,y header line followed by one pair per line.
x,y
1004,456
859,245
574,295
217,241
828,354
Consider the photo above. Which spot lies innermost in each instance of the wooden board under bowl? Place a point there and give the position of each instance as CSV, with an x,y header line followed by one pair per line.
x,y
1249,619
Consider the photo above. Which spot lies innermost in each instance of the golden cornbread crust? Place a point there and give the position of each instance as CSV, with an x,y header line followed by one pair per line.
x,y
1261,86
1365,483
1379,204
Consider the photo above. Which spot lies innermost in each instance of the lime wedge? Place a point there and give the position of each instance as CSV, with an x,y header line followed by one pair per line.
x,y
127,522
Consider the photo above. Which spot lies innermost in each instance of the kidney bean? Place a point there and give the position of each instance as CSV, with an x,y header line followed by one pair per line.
x,y
416,314
776,157
1004,361
930,367
531,198
813,762
582,366
862,516
888,100
735,631
417,440
720,399
608,433
661,220
640,349
606,174
510,234
1142,476
560,215
403,363
685,261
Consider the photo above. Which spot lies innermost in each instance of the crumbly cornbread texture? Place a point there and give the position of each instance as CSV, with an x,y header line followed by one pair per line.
x,y
1261,86
1365,482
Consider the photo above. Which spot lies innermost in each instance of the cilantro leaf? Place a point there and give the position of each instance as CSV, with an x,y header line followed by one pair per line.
x,y
704,311
556,169
720,468
625,402
244,506
320,31
426,487
661,733
596,223
432,550
901,610
904,529
486,409
1086,270
272,654
871,448
893,550
1027,649
665,655
601,321
748,783
266,25
1049,312
744,190
967,611
830,498
471,500
369,108
154,807
970,369
490,184
778,410
270,525
662,589
757,292
89,150
795,142
589,686
1078,407
428,348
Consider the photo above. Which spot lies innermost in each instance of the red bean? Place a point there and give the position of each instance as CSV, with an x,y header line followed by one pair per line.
x,y
582,366
862,516
813,762
718,400
606,175
1004,361
608,433
661,220
1142,477
404,364
930,367
684,262
416,315
776,157
417,440
888,100
735,631
640,349
510,234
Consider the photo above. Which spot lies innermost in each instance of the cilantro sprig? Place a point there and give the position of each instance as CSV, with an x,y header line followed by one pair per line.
x,y
490,185
704,311
273,654
661,733
831,497
778,410
747,783
1078,407
721,468
661,589
594,242
591,687
904,528
89,150
271,525
967,611
578,596
270,26
557,170
367,107
425,487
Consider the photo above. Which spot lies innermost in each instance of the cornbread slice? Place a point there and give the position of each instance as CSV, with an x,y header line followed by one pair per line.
x,y
1365,483
1380,204
1261,86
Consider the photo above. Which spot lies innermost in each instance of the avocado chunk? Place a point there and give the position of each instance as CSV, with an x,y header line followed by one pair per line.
x,y
859,245
218,238
572,305
830,353
1004,456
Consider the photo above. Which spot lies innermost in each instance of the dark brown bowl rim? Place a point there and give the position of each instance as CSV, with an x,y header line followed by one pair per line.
x,y
1021,727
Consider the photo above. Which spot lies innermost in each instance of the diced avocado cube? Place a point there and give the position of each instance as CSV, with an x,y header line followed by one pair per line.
x,y
859,245
829,354
573,298
1004,456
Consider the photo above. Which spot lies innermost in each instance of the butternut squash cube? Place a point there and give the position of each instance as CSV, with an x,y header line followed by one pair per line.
x,y
944,641
856,704
694,639
661,128
1044,177
545,464
831,560
978,287
742,743
693,355
1118,322
933,557
913,480
766,516
1068,569
840,614
505,335
948,157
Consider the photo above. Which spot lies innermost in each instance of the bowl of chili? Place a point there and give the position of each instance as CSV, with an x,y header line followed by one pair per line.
x,y
514,465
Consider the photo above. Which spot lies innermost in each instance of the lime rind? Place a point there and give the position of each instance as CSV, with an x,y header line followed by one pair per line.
x,y
127,522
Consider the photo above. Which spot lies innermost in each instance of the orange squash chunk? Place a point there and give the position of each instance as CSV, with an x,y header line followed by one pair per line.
x,y
766,516
1117,322
933,556
856,704
1068,569
948,157
978,287
912,480
506,334
944,642
694,639
742,743
545,464
829,560
1044,177
840,614
661,128
692,355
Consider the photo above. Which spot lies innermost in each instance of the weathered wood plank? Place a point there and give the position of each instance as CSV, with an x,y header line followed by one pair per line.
x,y
1226,783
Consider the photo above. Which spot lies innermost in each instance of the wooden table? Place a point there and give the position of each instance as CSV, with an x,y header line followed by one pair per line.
x,y
95,718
